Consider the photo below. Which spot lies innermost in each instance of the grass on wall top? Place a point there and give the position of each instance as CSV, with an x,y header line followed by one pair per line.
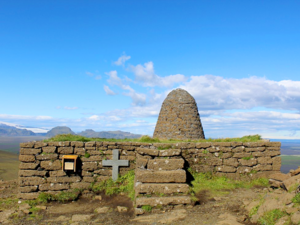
x,y
147,139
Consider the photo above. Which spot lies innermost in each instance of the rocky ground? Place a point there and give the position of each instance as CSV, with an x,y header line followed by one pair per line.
x,y
231,208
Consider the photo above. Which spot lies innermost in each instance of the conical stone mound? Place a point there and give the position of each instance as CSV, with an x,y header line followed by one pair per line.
x,y
179,118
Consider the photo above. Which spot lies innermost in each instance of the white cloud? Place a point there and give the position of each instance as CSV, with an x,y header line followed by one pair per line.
x,y
146,75
137,98
89,74
108,91
70,108
98,77
218,93
122,60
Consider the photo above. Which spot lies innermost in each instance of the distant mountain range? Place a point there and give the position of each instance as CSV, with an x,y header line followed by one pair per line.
x,y
12,130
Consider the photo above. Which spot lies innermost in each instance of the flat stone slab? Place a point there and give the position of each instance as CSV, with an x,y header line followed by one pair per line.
x,y
154,201
169,152
80,217
166,218
165,164
170,176
279,176
161,188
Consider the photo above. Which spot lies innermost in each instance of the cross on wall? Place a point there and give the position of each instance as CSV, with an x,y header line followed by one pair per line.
x,y
115,163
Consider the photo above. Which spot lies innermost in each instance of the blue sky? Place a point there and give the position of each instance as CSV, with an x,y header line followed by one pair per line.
x,y
108,65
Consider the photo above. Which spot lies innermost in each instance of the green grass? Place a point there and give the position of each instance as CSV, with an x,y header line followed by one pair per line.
x,y
296,199
123,184
221,185
147,208
147,139
271,217
63,196
8,203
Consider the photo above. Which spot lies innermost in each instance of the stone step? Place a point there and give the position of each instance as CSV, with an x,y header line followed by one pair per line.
x,y
165,188
169,176
154,201
165,164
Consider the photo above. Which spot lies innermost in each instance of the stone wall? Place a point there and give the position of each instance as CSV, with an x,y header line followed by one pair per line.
x,y
41,168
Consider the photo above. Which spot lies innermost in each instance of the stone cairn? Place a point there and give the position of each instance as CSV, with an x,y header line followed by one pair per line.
x,y
179,118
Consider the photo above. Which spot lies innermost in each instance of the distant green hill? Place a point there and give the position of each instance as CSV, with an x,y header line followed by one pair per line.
x,y
108,134
59,130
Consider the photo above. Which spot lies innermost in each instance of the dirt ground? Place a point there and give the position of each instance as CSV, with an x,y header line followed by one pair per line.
x,y
210,210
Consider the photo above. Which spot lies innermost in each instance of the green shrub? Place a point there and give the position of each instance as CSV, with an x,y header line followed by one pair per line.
x,y
296,199
87,155
123,184
147,208
271,217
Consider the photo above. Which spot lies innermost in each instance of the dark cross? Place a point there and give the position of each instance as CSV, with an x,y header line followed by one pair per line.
x,y
115,163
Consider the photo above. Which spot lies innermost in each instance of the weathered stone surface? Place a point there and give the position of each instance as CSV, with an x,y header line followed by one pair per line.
x,y
241,155
236,144
31,181
28,166
63,179
291,182
166,218
65,150
147,151
89,166
93,158
86,173
141,163
296,171
102,210
203,145
40,144
80,185
31,173
276,163
272,144
58,173
295,218
213,161
28,196
79,151
28,189
263,167
47,157
154,201
257,149
257,154
171,176
264,160
26,158
64,143
179,117
225,155
222,144
49,149
238,149
161,188
80,218
202,168
231,162
49,165
279,176
53,187
228,169
271,153
27,145
104,172
77,144
121,209
244,169
169,152
30,151
250,162
88,179
165,164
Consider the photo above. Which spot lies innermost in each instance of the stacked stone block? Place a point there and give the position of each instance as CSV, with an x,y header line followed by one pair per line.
x,y
160,178
41,169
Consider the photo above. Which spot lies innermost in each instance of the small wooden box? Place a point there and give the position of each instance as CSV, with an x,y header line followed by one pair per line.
x,y
69,162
